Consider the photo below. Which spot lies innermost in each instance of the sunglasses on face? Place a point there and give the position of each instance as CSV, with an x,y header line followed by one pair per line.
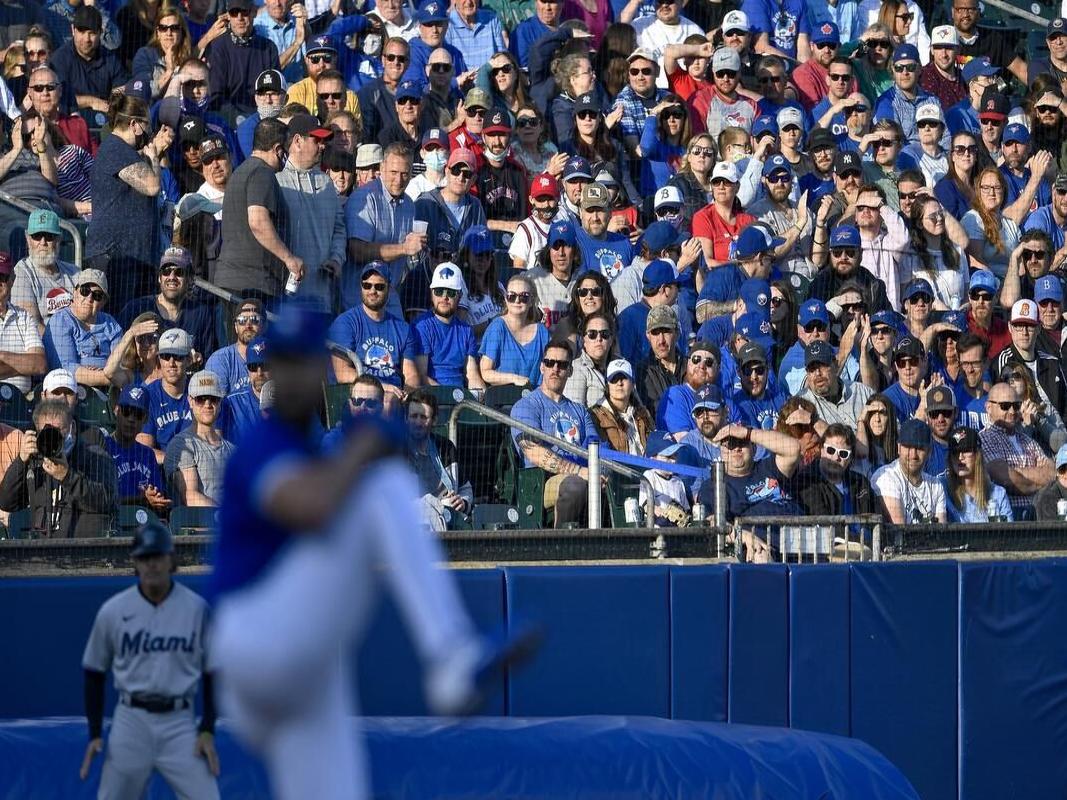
x,y
556,363
41,236
841,77
719,182
765,79
170,357
941,412
618,378
476,112
792,129
755,369
35,54
676,115
826,45
706,361
408,101
527,122
1034,255
906,361
331,95
839,252
645,71
504,69
247,319
905,68
368,403
879,44
207,400
701,151
965,149
168,28
439,67
883,330
594,291
461,172
239,12
1048,303
587,115
255,367
841,452
908,195
170,271
815,327
668,211
865,207
96,294
1006,406
726,74
1048,109
885,142
517,297
907,15
603,334
779,178
451,294
929,123
132,413
44,87
852,308
776,300
921,300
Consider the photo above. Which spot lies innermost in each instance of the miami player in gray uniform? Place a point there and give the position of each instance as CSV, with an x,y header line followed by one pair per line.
x,y
151,637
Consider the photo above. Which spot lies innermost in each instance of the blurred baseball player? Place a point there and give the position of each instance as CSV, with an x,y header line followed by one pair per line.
x,y
302,539
151,636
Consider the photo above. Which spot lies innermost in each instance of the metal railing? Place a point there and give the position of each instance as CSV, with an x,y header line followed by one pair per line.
x,y
820,539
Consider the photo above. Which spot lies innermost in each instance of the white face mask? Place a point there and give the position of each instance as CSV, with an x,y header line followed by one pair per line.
x,y
268,110
496,159
435,160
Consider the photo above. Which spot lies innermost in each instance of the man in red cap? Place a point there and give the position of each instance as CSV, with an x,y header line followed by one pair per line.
x,y
531,234
436,208
501,181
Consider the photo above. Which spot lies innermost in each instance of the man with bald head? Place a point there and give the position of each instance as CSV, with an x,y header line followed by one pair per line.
x,y
1012,458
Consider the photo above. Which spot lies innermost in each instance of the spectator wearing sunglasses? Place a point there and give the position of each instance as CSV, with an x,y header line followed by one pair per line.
x,y
168,405
434,21
366,396
1013,459
1052,219
902,100
236,61
319,60
587,383
813,78
446,350
728,106
829,486
376,97
758,400
910,363
242,409
43,283
46,97
140,478
81,337
196,458
674,412
871,65
638,98
1024,327
1029,262
666,365
450,211
441,101
228,363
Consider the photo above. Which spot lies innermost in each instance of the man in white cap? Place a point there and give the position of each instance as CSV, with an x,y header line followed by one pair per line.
x,y
1046,368
43,283
655,32
81,337
168,408
59,384
196,457
728,108
927,154
368,163
941,76
21,348
445,347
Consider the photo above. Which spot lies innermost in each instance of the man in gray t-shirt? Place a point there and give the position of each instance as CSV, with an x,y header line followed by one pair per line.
x,y
43,284
196,458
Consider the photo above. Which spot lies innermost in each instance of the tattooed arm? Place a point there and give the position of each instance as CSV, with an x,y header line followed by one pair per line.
x,y
143,176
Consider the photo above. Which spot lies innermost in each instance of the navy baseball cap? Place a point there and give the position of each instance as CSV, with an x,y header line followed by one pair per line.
x,y
134,396
764,124
1048,287
826,32
709,396
889,317
909,346
979,66
432,11
847,161
818,352
845,236
661,235
438,136
298,330
377,267
657,274
151,538
905,52
409,89
914,433
777,163
914,287
321,43
813,311
562,231
576,167
585,102
478,238
984,279
754,240
1016,132
756,294
257,351
756,327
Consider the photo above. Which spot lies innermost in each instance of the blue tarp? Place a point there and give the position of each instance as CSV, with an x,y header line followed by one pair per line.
x,y
576,757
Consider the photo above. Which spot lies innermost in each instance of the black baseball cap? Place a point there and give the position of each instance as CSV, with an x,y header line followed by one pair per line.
x,y
847,161
87,18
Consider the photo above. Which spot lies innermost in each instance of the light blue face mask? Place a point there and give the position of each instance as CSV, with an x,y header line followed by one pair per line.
x,y
435,160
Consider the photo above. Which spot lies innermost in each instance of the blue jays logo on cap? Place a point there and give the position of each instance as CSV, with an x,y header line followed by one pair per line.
x,y
320,42
765,327
813,309
258,348
136,392
431,8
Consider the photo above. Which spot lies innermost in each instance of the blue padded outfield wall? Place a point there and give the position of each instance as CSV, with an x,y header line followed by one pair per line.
x,y
957,673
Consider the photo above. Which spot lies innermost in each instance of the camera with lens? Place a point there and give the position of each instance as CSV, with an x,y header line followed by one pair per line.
x,y
50,442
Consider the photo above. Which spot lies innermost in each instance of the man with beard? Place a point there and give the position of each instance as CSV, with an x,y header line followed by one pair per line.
x,y
501,180
812,78
674,413
787,221
1012,458
445,346
659,288
441,100
87,71
270,97
757,403
999,47
1027,188
725,105
531,235
972,388
709,414
835,400
175,304
320,59
1051,219
194,99
228,363
235,59
820,180
813,325
1030,260
602,251
941,76
242,409
43,284
939,410
829,487
908,493
554,273
665,365
168,405
217,167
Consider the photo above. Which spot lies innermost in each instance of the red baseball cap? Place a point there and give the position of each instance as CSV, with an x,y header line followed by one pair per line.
x,y
544,185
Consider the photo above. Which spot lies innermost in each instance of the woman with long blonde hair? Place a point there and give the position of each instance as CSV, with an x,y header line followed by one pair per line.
x,y
969,493
993,233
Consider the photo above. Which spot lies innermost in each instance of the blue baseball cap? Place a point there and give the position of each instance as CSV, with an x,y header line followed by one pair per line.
x,y
818,352
979,66
576,167
661,444
478,238
562,231
409,89
845,236
662,234
826,32
432,11
889,317
957,319
777,163
319,43
257,351
914,433
756,294
916,286
657,274
756,327
134,395
378,267
709,396
813,311
1061,456
1048,287
764,124
754,240
984,279
905,52
1016,132
298,330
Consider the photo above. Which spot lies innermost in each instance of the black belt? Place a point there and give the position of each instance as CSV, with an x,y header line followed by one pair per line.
x,y
155,703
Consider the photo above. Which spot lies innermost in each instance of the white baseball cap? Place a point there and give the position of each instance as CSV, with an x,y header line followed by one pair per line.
x,y
619,366
447,276
789,115
1024,311
944,35
724,169
668,196
929,111
735,21
725,58
175,341
59,379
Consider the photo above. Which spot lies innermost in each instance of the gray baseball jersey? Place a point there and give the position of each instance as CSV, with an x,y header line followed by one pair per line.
x,y
150,649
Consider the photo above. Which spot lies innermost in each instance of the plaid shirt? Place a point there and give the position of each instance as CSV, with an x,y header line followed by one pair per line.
x,y
1016,450
635,108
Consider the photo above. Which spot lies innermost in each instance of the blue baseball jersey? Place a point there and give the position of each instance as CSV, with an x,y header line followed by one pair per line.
x,y
167,415
566,420
903,403
609,255
239,412
227,363
381,346
760,412
135,467
447,346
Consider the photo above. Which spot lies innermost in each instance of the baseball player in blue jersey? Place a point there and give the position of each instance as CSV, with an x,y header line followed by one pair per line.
x,y
151,637
303,538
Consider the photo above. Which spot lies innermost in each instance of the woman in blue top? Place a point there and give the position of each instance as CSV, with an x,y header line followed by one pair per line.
x,y
513,344
663,143
956,189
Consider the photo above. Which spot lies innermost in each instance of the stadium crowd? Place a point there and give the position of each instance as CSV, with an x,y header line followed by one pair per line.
x,y
823,243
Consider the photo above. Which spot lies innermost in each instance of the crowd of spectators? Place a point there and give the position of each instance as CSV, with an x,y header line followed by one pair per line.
x,y
822,243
